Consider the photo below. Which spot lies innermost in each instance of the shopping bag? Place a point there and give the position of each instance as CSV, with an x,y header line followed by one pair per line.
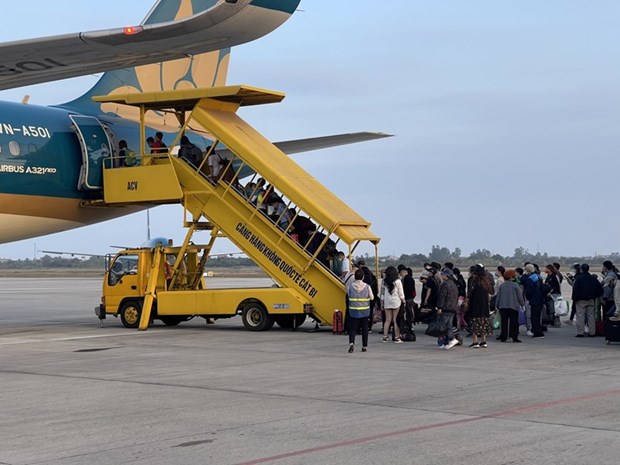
x,y
497,320
560,306
377,315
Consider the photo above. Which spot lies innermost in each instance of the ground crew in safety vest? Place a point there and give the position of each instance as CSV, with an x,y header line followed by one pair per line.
x,y
360,295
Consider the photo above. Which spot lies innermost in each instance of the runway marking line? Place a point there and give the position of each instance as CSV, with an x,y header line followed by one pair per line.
x,y
64,339
502,413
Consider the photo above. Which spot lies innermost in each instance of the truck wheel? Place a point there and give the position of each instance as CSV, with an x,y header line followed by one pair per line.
x,y
286,321
256,318
130,314
172,320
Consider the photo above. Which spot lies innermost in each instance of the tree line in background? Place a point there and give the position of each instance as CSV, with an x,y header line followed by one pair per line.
x,y
486,257
437,254
98,263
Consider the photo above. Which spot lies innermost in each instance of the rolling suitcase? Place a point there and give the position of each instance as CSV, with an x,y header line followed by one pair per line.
x,y
612,331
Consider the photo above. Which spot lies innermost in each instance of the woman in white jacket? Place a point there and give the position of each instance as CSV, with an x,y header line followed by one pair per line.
x,y
392,296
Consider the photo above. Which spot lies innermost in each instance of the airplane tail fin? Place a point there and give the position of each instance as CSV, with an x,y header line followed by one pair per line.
x,y
204,70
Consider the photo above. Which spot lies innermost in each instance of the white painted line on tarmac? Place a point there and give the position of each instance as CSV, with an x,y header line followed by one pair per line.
x,y
76,338
70,338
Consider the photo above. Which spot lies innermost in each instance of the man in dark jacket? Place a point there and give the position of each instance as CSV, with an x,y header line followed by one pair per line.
x,y
586,289
532,286
447,303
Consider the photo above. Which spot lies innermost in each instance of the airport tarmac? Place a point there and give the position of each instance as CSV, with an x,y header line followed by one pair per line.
x,y
74,393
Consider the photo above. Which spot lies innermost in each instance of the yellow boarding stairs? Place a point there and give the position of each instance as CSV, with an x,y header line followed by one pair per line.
x,y
265,239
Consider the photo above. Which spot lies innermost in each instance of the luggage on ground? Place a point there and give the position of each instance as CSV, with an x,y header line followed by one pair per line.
x,y
612,331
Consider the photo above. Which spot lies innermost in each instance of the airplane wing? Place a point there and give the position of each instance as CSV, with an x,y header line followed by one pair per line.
x,y
226,24
71,254
317,143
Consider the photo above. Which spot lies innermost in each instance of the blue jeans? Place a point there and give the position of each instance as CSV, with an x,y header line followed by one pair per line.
x,y
447,318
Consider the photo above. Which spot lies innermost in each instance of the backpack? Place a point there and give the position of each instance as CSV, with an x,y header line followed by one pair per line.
x,y
545,288
130,158
608,290
195,155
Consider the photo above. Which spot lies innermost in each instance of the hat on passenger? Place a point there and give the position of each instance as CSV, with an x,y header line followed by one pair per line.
x,y
447,272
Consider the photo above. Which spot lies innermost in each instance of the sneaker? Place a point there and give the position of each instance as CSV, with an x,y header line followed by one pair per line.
x,y
351,348
579,335
397,341
364,349
451,344
442,347
386,339
539,336
614,318
483,344
516,340
474,345
530,333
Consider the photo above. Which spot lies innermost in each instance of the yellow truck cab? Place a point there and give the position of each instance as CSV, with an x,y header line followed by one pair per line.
x,y
172,289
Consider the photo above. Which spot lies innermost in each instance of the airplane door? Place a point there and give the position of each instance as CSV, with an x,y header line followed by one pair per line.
x,y
95,146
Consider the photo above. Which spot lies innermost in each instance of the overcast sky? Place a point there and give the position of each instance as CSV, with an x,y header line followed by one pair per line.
x,y
506,115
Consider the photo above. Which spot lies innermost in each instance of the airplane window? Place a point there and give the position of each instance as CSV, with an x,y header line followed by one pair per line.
x,y
14,148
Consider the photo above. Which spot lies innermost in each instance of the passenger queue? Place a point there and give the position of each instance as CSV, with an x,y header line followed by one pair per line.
x,y
504,301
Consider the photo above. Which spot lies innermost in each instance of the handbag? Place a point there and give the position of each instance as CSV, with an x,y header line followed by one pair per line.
x,y
437,327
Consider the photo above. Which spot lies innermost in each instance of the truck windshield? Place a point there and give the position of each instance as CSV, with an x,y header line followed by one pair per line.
x,y
121,266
